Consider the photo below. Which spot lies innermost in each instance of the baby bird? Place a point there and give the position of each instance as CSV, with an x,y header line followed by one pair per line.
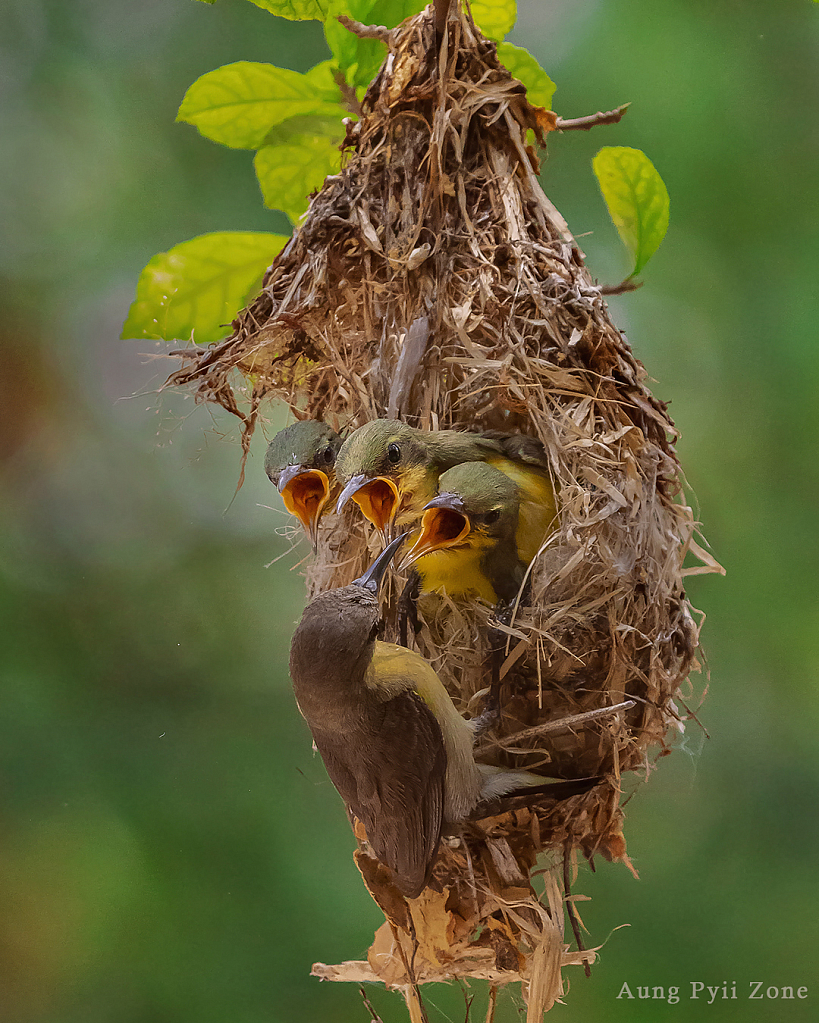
x,y
300,462
469,543
391,471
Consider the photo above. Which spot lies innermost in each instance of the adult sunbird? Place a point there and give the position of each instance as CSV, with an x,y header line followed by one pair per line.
x,y
300,462
392,741
391,471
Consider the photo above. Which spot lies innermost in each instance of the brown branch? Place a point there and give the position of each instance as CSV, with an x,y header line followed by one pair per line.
x,y
567,851
493,1001
442,8
592,120
620,289
368,1005
366,31
411,991
347,94
468,1000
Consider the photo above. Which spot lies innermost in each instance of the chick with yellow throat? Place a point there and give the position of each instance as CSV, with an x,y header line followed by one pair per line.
x,y
391,471
300,463
473,543
468,544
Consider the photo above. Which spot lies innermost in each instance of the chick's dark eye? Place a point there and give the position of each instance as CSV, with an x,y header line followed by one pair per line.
x,y
493,516
328,456
394,453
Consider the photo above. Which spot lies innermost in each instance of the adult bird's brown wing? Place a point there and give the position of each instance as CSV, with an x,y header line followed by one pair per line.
x,y
390,772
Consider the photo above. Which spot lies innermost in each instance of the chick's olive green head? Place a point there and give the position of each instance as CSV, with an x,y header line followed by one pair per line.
x,y
308,444
300,462
379,466
476,503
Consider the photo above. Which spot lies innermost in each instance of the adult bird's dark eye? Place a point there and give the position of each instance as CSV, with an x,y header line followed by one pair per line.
x,y
394,453
329,455
493,516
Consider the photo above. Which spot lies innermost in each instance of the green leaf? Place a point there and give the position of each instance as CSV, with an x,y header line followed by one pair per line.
x,y
321,78
294,10
197,287
494,17
360,59
392,12
637,200
239,103
520,63
291,131
289,170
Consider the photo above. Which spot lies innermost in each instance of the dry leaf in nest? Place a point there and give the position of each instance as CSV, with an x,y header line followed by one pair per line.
x,y
433,280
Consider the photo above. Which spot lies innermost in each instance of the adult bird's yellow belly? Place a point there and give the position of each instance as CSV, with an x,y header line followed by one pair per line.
x,y
393,670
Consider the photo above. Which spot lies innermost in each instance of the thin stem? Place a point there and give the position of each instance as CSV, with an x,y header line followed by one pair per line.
x,y
348,94
365,31
493,1001
591,120
442,8
620,289
570,907
368,1005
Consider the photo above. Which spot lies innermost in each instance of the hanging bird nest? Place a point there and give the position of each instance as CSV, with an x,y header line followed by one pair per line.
x,y
433,281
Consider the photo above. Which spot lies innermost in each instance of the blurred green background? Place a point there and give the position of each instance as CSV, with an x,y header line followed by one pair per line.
x,y
170,850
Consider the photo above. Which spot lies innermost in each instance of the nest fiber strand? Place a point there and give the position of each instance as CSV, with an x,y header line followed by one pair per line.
x,y
432,280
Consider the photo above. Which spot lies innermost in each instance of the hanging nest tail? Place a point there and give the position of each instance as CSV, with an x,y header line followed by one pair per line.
x,y
433,281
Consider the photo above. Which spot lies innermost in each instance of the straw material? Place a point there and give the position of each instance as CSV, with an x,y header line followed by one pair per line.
x,y
432,280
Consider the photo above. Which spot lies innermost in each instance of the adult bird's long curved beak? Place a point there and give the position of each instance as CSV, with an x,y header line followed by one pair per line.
x,y
444,524
377,497
371,580
305,493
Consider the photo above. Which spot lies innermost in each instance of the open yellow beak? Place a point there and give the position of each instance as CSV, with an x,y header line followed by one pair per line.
x,y
442,526
305,495
377,498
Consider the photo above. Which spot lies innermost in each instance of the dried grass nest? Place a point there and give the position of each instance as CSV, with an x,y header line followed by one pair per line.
x,y
432,280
